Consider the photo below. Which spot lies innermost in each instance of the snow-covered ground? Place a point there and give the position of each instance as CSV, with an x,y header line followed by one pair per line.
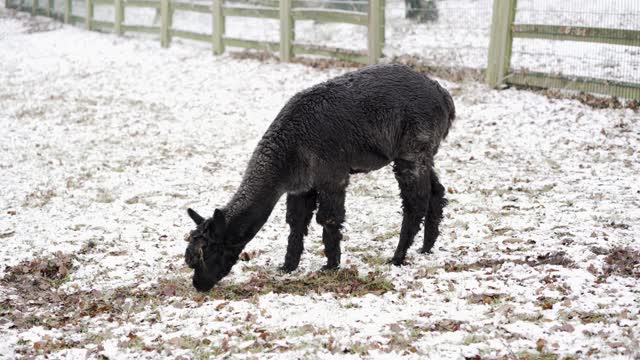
x,y
105,141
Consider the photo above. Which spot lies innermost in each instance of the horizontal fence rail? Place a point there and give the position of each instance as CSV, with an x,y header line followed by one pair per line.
x,y
340,54
140,3
282,10
578,83
340,16
504,30
578,33
263,12
201,8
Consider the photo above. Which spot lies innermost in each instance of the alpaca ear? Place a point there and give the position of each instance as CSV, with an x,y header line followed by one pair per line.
x,y
195,217
219,222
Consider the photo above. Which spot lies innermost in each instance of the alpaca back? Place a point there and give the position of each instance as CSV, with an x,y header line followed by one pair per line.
x,y
357,122
378,108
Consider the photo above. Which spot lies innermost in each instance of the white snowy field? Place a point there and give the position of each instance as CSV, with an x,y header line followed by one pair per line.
x,y
105,141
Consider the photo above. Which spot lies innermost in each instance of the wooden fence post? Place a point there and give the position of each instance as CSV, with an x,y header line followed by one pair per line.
x,y
164,23
286,30
373,33
49,7
218,27
67,11
504,13
382,23
119,9
34,7
89,16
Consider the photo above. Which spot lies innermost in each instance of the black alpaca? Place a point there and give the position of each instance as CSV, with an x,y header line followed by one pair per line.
x,y
357,122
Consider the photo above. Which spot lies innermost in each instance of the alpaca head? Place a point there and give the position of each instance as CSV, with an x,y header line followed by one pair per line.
x,y
208,254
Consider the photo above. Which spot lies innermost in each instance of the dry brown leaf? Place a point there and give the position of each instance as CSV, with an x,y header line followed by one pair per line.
x,y
39,345
566,327
169,290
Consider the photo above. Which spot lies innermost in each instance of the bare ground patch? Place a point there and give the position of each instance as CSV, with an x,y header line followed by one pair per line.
x,y
32,24
622,262
316,63
35,286
36,299
551,258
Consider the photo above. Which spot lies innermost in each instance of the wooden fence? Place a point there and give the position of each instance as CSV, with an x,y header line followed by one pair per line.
x,y
284,11
504,30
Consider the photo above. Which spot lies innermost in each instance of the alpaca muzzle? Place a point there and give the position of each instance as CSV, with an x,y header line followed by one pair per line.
x,y
194,257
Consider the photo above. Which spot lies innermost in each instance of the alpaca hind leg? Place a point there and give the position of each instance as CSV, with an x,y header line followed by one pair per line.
x,y
437,202
300,209
331,216
415,189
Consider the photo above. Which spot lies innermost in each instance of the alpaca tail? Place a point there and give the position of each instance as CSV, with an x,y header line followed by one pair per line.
x,y
451,111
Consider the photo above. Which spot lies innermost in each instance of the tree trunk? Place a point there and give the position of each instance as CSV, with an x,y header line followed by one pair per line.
x,y
421,10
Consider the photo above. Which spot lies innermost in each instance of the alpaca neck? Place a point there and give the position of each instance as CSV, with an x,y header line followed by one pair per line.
x,y
255,199
247,216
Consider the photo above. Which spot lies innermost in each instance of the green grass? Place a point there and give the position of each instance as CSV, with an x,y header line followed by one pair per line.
x,y
351,305
537,356
590,317
358,348
528,317
342,282
104,196
473,339
374,260
486,299
387,235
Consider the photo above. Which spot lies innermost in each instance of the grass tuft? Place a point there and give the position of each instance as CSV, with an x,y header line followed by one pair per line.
x,y
537,356
39,198
342,282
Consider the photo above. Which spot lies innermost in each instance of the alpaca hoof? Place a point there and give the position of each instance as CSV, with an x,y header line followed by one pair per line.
x,y
329,267
287,269
397,262
424,251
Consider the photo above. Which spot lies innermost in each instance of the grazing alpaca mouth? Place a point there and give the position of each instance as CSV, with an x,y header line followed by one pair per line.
x,y
203,281
195,259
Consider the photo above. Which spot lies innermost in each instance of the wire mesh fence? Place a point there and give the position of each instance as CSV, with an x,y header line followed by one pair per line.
x,y
331,34
578,58
258,29
446,33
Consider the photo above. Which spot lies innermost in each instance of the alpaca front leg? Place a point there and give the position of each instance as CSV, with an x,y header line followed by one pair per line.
x,y
437,202
415,188
300,209
331,215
